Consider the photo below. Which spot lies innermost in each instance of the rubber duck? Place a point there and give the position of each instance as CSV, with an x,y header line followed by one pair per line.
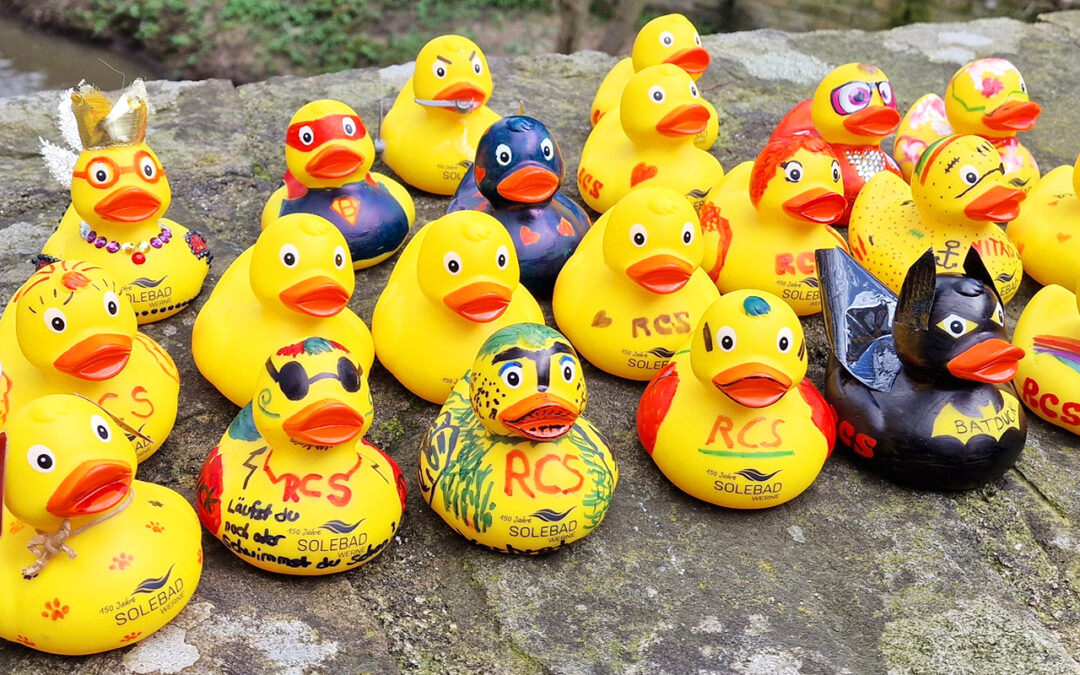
x,y
763,221
119,195
650,142
853,109
515,418
670,38
988,98
293,487
634,289
329,155
521,168
957,196
456,283
70,329
1047,231
432,130
90,559
1048,377
295,281
921,383
732,419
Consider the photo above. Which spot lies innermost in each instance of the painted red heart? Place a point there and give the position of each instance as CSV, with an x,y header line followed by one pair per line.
x,y
528,237
1063,236
565,228
642,172
601,320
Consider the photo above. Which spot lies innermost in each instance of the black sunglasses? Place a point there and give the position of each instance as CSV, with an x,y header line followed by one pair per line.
x,y
294,382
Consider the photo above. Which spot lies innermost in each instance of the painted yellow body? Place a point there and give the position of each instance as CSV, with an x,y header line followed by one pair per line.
x,y
1047,231
144,390
1048,379
618,324
650,142
431,147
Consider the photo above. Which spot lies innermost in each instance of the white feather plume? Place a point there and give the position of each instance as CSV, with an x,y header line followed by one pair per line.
x,y
69,128
60,160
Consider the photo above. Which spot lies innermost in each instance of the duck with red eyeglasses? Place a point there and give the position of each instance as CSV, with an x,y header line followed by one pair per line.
x,y
329,154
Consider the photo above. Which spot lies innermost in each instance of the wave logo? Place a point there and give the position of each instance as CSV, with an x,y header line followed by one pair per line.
x,y
697,194
147,282
551,516
1004,277
662,353
755,475
812,282
340,526
150,585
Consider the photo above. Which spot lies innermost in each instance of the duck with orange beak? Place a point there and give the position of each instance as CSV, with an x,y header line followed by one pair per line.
x,y
296,280
295,460
921,383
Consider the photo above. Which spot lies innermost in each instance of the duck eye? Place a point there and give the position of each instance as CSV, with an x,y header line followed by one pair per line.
x,y
638,235
100,174
339,257
511,374
793,171
55,320
569,369
885,89
503,155
348,375
293,381
851,97
100,427
784,339
956,325
836,171
725,337
439,69
548,148
1023,86
999,315
693,89
147,167
41,458
697,39
452,262
289,256
667,39
657,93
112,303
477,65
307,135
349,127
688,233
969,175
502,257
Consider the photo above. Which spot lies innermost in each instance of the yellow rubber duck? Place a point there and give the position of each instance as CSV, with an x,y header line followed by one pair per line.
x,y
509,463
634,289
432,130
666,39
1047,231
90,559
732,420
988,98
957,196
70,329
762,223
295,281
329,155
119,194
456,283
650,142
1048,377
293,487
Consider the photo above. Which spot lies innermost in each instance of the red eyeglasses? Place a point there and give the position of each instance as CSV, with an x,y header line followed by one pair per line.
x,y
103,172
307,135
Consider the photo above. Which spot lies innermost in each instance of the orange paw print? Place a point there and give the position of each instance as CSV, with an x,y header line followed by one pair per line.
x,y
155,526
16,527
54,610
23,640
130,636
121,561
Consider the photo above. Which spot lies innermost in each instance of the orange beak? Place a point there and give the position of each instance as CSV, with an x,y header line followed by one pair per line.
x,y
540,417
97,358
689,119
334,161
993,360
694,60
754,385
661,273
481,301
875,122
93,487
1013,116
528,184
999,204
325,422
462,91
817,205
318,296
128,205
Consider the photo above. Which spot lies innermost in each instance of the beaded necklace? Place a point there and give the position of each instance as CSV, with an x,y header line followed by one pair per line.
x,y
137,250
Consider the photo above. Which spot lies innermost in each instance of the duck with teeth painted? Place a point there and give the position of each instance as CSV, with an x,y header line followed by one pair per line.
x,y
295,281
70,329
1048,377
732,420
90,559
456,283
432,130
1047,231
119,195
957,196
853,110
329,155
516,178
764,220
634,289
650,142
295,461
921,382
666,39
511,432
988,98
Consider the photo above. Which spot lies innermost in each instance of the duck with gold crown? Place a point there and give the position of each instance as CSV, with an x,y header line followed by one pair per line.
x,y
119,195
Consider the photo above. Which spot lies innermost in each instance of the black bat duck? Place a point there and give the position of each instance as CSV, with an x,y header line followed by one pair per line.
x,y
922,383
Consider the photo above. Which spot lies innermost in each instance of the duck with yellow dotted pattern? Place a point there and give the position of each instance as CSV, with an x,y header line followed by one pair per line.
x,y
957,196
432,130
70,329
509,463
732,420
90,559
1047,231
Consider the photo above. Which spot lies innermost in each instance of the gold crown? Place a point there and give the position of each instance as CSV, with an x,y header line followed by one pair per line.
x,y
103,124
